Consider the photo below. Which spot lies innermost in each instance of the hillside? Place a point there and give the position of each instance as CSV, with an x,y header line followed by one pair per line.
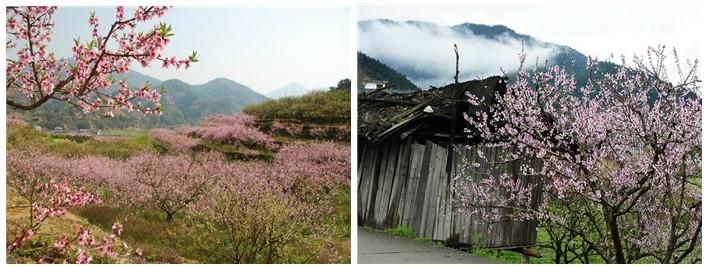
x,y
331,106
371,69
182,103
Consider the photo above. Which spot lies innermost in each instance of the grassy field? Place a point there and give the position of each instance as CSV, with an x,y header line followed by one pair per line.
x,y
120,148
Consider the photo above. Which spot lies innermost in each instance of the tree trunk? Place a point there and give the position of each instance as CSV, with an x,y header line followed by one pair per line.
x,y
612,223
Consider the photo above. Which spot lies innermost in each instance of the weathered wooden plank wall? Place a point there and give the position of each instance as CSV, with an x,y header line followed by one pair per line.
x,y
406,183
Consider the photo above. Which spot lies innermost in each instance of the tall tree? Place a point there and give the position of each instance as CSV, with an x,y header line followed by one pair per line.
x,y
621,157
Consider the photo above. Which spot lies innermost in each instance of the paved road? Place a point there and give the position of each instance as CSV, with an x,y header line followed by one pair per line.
x,y
379,247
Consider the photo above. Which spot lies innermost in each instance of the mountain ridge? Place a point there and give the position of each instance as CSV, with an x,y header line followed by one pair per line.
x,y
182,103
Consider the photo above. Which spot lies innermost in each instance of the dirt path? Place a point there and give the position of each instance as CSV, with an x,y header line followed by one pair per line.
x,y
379,247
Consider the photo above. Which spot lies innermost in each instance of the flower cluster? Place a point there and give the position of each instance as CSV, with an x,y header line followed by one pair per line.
x,y
84,243
56,196
93,172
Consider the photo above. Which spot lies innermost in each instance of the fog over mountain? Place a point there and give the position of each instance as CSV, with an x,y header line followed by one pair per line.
x,y
423,51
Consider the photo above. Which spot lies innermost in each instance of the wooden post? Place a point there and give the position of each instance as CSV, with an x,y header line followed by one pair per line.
x,y
454,116
455,49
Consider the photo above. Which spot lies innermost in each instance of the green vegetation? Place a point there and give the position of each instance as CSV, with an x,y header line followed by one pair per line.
x,y
405,231
121,144
320,107
502,256
408,232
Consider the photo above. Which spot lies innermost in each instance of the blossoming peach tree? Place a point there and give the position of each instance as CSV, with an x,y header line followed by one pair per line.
x,y
35,75
621,158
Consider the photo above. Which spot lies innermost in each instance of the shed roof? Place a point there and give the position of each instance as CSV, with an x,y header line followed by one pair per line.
x,y
382,113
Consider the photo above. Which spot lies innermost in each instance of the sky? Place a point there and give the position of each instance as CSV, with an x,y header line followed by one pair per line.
x,y
595,29
263,48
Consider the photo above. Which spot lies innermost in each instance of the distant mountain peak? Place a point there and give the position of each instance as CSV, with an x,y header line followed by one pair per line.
x,y
294,84
220,80
175,81
171,85
290,89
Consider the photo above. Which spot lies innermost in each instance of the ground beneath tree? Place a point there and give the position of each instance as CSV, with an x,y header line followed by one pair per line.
x,y
54,227
375,246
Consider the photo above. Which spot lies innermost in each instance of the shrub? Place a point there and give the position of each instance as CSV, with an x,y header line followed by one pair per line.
x,y
237,129
405,231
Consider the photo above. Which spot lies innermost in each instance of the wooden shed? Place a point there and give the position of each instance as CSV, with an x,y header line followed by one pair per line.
x,y
410,147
